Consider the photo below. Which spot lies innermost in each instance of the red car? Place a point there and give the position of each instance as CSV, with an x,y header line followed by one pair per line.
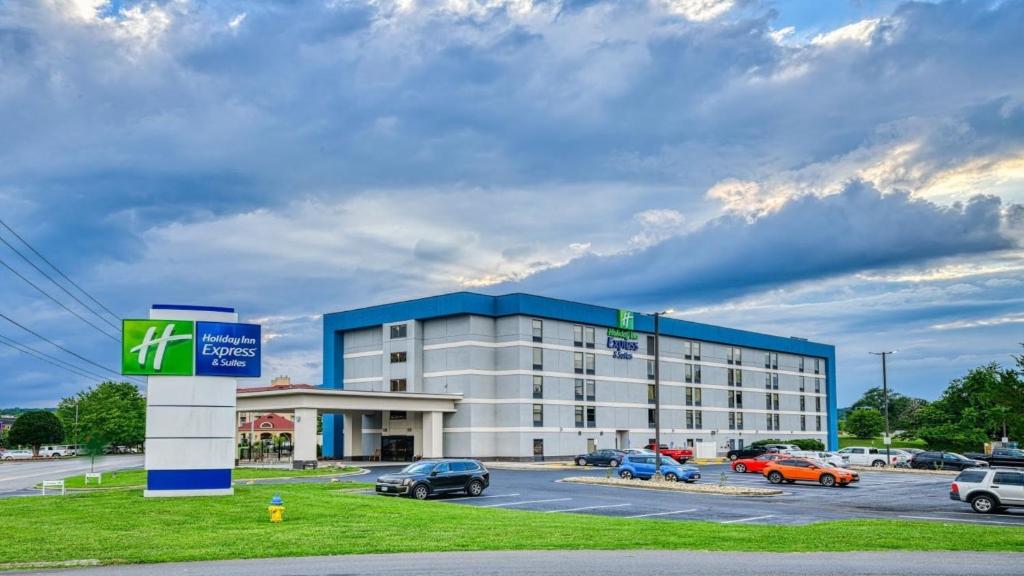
x,y
755,465
680,455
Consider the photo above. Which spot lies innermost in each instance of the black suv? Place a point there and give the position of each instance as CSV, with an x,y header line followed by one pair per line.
x,y
427,477
944,461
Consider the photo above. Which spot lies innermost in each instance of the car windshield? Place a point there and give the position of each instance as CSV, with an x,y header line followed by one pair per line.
x,y
419,468
665,460
1016,453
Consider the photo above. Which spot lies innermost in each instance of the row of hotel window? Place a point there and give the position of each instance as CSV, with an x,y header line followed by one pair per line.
x,y
586,417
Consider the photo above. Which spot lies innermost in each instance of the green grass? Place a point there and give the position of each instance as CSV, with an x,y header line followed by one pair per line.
x,y
321,519
137,478
845,441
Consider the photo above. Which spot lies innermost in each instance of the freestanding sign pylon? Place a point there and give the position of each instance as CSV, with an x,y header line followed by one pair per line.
x,y
192,357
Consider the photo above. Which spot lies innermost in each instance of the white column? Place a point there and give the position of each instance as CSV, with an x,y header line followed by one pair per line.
x,y
432,435
305,434
353,435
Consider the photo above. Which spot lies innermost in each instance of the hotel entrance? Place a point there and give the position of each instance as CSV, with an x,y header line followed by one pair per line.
x,y
396,448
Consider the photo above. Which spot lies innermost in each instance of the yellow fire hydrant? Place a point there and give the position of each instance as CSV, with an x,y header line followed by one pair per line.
x,y
276,509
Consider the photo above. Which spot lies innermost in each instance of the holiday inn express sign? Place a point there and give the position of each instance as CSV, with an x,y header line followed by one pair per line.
x,y
187,348
622,339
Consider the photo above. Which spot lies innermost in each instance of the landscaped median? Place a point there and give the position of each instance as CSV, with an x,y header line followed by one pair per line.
x,y
127,479
320,519
674,486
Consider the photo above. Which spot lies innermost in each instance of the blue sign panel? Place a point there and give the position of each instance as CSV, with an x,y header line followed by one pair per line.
x,y
226,349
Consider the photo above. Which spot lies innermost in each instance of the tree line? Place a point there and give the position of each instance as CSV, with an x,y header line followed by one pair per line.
x,y
984,405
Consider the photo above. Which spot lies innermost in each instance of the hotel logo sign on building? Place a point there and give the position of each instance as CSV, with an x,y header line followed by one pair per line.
x,y
623,340
187,348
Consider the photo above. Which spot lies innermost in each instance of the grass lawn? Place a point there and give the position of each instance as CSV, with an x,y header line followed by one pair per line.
x,y
320,519
845,441
137,478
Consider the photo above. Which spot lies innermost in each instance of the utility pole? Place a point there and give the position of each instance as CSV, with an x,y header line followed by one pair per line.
x,y
657,392
885,405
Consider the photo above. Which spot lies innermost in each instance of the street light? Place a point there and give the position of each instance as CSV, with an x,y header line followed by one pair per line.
x,y
657,392
885,404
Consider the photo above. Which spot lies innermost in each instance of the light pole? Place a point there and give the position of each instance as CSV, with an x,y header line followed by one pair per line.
x,y
657,392
885,405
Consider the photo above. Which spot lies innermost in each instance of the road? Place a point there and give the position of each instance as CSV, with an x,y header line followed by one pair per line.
x,y
19,476
588,563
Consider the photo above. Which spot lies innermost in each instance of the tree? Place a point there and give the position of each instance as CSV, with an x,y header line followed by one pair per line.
x,y
902,409
865,422
35,429
111,413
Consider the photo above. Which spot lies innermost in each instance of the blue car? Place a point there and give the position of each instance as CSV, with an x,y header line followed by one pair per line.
x,y
642,466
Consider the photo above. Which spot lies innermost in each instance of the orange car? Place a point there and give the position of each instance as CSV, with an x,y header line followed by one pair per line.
x,y
801,469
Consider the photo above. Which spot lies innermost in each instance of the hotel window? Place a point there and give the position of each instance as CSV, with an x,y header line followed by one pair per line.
x,y
689,419
775,420
739,420
691,350
577,362
735,421
398,357
817,386
801,367
771,401
768,421
689,396
817,365
688,373
732,398
803,423
735,377
579,416
538,330
538,415
538,386
591,363
803,404
577,335
591,391
698,419
775,381
538,358
578,387
817,404
398,331
697,397
588,338
767,381
398,385
397,415
775,402
650,369
650,393
538,448
651,422
771,360
817,423
650,345
802,383
734,356
591,417
732,420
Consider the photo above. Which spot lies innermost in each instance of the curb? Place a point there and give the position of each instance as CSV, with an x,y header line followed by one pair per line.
x,y
680,487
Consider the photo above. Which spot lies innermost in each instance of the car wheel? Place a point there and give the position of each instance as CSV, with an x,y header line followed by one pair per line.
x,y
734,457
626,475
983,504
420,492
878,463
827,480
671,477
741,468
475,488
581,462
775,477
614,463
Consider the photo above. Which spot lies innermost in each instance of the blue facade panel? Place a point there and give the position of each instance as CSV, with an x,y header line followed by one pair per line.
x,y
188,479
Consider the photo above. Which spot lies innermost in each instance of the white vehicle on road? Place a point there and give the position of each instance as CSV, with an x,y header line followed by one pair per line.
x,y
57,451
989,490
16,454
830,458
868,456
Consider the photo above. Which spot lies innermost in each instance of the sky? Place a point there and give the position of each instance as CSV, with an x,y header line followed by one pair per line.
x,y
851,172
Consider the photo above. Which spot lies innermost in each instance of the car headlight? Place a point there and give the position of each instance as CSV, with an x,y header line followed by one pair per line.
x,y
407,481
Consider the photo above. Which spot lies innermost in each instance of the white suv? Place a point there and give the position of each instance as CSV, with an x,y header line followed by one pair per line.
x,y
868,456
989,490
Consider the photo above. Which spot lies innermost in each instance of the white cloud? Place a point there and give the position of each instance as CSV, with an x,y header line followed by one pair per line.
x,y
699,10
862,32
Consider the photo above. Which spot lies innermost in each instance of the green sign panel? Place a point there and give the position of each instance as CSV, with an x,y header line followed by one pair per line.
x,y
625,320
157,347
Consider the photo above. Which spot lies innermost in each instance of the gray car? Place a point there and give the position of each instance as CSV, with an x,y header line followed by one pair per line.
x,y
988,490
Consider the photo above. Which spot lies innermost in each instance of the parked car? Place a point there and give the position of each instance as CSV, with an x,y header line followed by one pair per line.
x,y
16,454
755,465
628,451
749,452
421,479
642,466
831,458
1001,457
55,451
945,461
989,490
782,448
800,469
868,456
601,458
680,455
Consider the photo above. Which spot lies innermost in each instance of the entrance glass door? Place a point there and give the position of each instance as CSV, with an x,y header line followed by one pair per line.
x,y
396,448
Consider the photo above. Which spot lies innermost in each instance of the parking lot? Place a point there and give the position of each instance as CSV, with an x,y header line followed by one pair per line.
x,y
887,495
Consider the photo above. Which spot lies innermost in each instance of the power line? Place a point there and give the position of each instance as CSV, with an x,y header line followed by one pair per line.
x,y
58,285
58,302
52,265
46,358
54,344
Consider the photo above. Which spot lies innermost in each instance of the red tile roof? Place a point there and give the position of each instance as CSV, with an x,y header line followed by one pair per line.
x,y
277,423
269,388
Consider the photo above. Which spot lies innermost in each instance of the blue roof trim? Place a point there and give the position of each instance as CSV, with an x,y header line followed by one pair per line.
x,y
189,307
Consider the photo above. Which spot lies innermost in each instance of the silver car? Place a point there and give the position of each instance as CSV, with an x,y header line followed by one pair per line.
x,y
989,490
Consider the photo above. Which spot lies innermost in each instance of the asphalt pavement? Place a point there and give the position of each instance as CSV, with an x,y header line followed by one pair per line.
x,y
588,563
17,477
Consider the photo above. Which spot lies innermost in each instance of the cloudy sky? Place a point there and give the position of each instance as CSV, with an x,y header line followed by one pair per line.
x,y
846,171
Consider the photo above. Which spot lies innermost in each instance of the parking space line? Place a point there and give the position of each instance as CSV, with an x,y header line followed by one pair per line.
x,y
748,519
963,520
479,497
587,508
525,502
663,513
